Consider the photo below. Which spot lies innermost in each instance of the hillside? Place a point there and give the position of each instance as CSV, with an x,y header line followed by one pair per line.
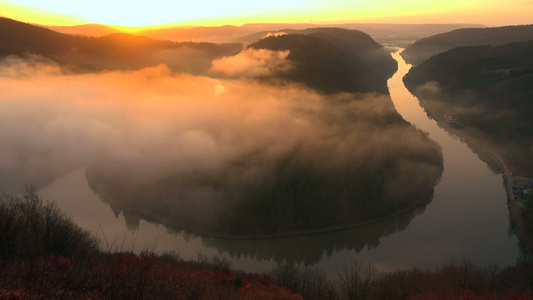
x,y
117,51
310,146
488,91
48,267
333,60
95,30
219,34
324,153
425,48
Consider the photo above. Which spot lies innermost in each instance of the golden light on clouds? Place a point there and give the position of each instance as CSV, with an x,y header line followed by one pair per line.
x,y
137,13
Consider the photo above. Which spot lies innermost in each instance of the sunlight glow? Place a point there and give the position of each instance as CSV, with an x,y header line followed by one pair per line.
x,y
137,13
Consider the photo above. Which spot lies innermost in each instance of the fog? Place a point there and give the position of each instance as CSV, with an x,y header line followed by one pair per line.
x,y
440,103
485,124
252,63
167,145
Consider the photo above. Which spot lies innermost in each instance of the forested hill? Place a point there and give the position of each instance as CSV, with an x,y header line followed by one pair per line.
x,y
425,48
116,51
333,59
489,88
477,68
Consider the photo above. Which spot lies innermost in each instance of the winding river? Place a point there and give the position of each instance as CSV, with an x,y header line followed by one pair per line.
x,y
468,218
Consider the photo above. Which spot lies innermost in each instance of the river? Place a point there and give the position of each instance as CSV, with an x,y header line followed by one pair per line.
x,y
468,218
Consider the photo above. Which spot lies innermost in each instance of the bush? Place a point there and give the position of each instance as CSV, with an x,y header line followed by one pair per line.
x,y
31,227
310,283
356,280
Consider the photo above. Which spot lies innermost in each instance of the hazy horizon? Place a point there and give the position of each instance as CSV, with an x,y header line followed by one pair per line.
x,y
162,13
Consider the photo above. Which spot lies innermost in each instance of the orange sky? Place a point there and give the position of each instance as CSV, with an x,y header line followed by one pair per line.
x,y
237,12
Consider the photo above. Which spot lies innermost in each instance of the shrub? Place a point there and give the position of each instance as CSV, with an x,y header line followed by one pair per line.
x,y
356,280
31,227
310,283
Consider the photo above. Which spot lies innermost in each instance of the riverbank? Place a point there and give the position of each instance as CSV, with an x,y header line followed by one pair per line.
x,y
156,219
498,164
410,209
516,211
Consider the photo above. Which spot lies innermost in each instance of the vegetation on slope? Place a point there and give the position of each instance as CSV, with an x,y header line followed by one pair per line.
x,y
458,280
117,51
31,227
427,47
334,60
487,88
46,274
489,92
44,255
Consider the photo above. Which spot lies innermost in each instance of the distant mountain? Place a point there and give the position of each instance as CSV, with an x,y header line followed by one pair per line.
x,y
407,31
20,38
328,59
379,32
218,34
425,48
249,33
95,30
488,89
117,51
210,34
333,59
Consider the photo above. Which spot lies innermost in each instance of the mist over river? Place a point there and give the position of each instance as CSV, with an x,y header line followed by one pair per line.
x,y
467,218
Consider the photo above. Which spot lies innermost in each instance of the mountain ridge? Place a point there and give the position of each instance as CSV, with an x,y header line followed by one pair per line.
x,y
488,88
251,32
109,52
341,60
426,47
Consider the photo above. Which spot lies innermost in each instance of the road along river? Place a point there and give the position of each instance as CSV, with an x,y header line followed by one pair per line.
x,y
468,218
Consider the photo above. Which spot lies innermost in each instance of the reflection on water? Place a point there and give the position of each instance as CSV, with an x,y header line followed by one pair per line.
x,y
76,199
343,159
310,250
467,218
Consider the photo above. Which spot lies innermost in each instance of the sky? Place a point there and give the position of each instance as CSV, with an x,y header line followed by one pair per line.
x,y
137,13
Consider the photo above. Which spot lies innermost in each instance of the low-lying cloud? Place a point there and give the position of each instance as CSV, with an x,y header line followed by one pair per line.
x,y
195,139
276,34
53,123
34,66
253,63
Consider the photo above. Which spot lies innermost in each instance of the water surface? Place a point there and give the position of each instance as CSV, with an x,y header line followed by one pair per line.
x,y
467,219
